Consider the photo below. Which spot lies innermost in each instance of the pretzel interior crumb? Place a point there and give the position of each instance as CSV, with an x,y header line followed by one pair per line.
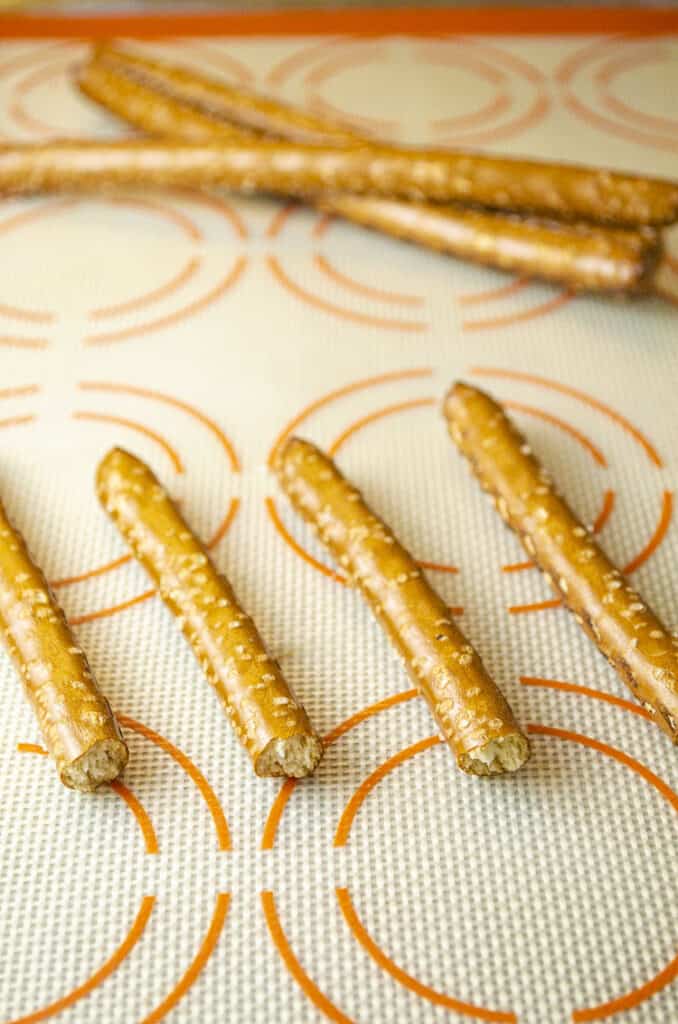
x,y
505,754
100,764
294,757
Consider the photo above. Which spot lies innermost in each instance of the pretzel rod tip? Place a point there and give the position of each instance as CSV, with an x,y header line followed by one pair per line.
x,y
471,712
264,713
75,718
611,612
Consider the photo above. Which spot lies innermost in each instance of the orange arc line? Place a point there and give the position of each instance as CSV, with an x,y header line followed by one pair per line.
x,y
177,403
672,262
601,520
188,271
322,224
287,65
105,613
179,314
493,108
225,524
582,396
586,691
329,307
136,807
221,529
368,784
28,315
372,417
503,292
562,425
326,268
612,127
604,748
308,987
657,537
180,220
19,392
140,813
43,74
288,787
630,999
406,980
372,125
296,547
26,121
123,950
539,109
17,421
221,61
520,317
100,417
622,109
280,219
193,772
537,606
7,342
31,748
36,213
605,512
207,947
66,581
216,203
334,64
347,389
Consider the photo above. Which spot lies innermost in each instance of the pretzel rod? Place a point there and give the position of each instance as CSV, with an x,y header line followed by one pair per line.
x,y
249,111
156,113
624,628
266,716
584,257
512,185
472,714
591,258
75,718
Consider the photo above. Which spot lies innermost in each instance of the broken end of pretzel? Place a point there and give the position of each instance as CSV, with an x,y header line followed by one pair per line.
x,y
294,757
496,756
103,762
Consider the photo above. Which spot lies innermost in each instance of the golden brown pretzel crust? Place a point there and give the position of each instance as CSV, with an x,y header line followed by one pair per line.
x,y
584,257
309,171
156,113
267,718
625,629
472,714
581,257
75,718
511,185
251,112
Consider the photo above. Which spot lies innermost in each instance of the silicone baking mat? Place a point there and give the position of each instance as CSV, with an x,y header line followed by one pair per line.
x,y
199,330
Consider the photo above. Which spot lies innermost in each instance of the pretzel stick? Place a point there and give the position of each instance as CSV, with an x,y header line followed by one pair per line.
x,y
248,111
308,171
581,257
267,718
156,113
471,712
625,629
512,185
75,718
